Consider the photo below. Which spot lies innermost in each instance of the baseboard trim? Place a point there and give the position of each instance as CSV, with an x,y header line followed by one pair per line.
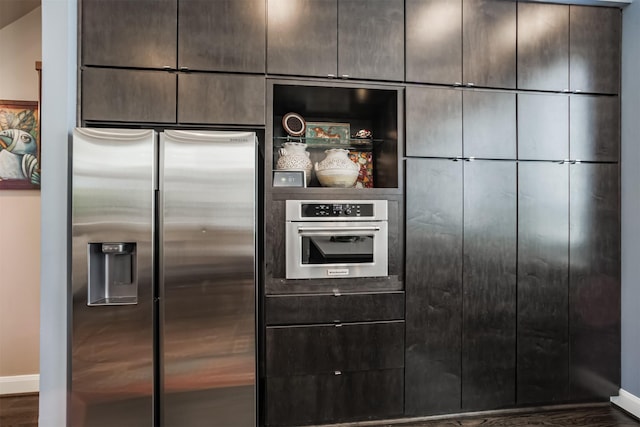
x,y
19,384
628,402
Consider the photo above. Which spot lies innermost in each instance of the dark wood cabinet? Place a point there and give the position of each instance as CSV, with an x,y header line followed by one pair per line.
x,y
371,39
543,46
489,43
434,50
320,399
361,39
461,291
489,123
489,285
222,35
221,99
595,55
128,95
434,122
594,281
322,349
333,308
543,297
433,285
126,33
594,128
302,37
543,126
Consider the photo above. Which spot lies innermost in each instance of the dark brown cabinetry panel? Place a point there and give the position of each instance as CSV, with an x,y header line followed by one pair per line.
x,y
595,49
594,281
371,39
302,37
433,286
543,126
489,43
222,35
543,275
127,33
489,285
306,309
321,349
302,400
434,41
434,122
221,99
128,95
543,46
489,123
594,128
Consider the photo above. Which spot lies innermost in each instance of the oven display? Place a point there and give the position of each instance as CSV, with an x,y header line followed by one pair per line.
x,y
311,210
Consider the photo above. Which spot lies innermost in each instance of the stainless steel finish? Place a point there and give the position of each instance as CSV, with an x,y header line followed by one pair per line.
x,y
297,227
293,213
208,278
112,346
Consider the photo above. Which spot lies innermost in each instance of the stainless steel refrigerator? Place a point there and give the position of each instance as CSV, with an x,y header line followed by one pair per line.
x,y
163,278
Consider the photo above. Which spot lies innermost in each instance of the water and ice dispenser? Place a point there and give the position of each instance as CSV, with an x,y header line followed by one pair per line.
x,y
112,274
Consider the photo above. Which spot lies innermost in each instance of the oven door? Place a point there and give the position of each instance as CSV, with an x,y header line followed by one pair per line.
x,y
336,249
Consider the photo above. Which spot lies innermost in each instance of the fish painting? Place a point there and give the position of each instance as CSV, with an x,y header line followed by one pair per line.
x,y
19,145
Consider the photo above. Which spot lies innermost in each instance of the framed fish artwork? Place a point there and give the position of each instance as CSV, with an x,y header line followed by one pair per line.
x,y
19,145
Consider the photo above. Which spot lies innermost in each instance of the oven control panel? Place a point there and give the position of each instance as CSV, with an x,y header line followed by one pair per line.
x,y
333,210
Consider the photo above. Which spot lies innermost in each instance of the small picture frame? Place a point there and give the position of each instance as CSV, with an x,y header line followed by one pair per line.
x,y
290,178
338,133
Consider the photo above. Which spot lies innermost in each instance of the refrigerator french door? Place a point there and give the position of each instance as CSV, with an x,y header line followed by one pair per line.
x,y
163,278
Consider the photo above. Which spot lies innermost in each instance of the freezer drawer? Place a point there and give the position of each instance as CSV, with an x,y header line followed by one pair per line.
x,y
317,399
301,309
322,349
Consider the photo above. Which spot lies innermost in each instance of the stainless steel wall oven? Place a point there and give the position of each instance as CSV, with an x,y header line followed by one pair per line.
x,y
336,238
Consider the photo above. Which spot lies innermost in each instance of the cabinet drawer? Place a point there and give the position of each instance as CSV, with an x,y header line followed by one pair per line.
x,y
329,348
287,310
301,400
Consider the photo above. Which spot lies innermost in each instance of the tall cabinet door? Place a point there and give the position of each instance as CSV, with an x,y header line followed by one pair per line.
x,y
543,276
489,43
489,285
302,37
371,39
595,41
433,286
434,50
543,46
594,128
222,35
543,126
125,33
489,124
207,286
594,281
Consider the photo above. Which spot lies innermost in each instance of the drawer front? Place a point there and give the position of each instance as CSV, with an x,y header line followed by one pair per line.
x,y
326,349
310,399
306,309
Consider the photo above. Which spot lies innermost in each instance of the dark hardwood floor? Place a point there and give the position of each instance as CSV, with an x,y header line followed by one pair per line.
x,y
19,411
22,411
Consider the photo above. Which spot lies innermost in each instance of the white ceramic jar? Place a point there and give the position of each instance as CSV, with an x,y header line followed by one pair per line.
x,y
337,169
294,155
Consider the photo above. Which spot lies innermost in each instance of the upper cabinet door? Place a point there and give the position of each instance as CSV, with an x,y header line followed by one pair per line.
x,y
125,33
371,39
543,46
489,124
434,41
489,43
595,49
222,35
302,37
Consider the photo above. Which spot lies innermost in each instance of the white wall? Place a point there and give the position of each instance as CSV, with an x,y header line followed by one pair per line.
x,y
20,44
631,199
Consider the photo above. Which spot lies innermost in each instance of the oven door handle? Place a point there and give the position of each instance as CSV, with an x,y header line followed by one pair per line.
x,y
333,230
